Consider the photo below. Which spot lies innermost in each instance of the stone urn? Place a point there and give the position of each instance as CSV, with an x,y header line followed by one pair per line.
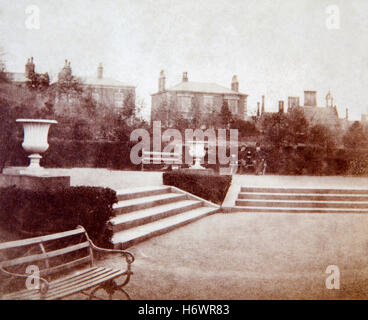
x,y
197,151
35,142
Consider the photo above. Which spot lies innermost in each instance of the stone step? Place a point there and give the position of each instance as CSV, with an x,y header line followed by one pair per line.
x,y
127,238
139,192
130,205
302,196
301,204
293,210
133,219
303,190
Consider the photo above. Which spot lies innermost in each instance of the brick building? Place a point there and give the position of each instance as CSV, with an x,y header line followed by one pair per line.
x,y
327,115
209,96
106,90
21,78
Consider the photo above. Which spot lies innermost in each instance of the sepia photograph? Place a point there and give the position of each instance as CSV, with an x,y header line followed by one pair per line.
x,y
159,150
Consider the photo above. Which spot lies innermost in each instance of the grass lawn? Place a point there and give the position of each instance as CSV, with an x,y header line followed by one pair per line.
x,y
254,256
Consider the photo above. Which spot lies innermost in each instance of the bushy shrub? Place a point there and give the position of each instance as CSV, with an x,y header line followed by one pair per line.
x,y
33,213
358,163
312,161
211,187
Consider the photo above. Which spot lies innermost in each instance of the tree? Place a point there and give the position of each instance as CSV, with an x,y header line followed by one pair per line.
x,y
211,119
355,138
170,115
7,131
226,116
275,127
282,129
129,110
161,113
297,126
245,128
68,85
38,81
3,74
195,114
322,136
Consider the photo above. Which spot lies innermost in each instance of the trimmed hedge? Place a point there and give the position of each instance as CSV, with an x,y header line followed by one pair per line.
x,y
211,187
75,153
33,213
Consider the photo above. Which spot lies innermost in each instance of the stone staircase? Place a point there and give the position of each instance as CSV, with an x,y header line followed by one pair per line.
x,y
145,212
301,200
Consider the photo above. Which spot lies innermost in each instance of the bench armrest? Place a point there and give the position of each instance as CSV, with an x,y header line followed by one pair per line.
x,y
128,256
42,289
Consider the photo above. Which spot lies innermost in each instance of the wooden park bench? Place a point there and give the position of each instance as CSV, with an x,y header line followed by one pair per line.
x,y
171,159
56,256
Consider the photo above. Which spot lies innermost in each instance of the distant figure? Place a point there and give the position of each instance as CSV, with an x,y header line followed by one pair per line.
x,y
242,158
260,160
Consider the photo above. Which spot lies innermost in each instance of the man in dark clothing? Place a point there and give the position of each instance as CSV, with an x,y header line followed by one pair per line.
x,y
242,158
260,160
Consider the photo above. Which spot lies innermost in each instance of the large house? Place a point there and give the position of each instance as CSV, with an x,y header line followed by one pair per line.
x,y
209,96
21,78
108,90
105,91
327,115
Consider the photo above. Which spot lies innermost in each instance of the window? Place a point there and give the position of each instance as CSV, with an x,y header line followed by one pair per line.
x,y
208,101
233,105
118,98
95,96
185,103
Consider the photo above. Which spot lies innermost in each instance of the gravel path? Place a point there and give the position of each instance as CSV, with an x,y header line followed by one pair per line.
x,y
254,256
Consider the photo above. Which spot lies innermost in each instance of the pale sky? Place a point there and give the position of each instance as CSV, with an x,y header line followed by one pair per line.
x,y
276,48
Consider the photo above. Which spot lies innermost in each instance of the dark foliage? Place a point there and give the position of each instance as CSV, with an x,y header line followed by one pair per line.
x,y
33,213
207,186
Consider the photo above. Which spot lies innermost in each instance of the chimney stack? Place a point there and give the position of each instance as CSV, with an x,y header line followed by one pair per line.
x,y
281,106
293,102
263,105
161,81
364,117
235,84
310,98
99,71
347,114
30,67
185,76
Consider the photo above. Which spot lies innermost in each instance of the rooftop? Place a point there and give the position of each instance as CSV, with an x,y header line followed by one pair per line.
x,y
203,87
17,76
320,114
107,82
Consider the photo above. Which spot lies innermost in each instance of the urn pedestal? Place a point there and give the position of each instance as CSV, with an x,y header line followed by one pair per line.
x,y
34,177
197,151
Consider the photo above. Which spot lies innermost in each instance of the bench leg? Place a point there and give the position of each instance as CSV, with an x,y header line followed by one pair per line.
x,y
110,287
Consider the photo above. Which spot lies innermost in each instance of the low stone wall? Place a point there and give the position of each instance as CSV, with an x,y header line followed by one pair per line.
x,y
35,183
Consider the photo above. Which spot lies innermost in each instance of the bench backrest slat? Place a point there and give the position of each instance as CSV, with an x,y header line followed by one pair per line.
x,y
65,266
162,159
43,256
173,154
35,240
